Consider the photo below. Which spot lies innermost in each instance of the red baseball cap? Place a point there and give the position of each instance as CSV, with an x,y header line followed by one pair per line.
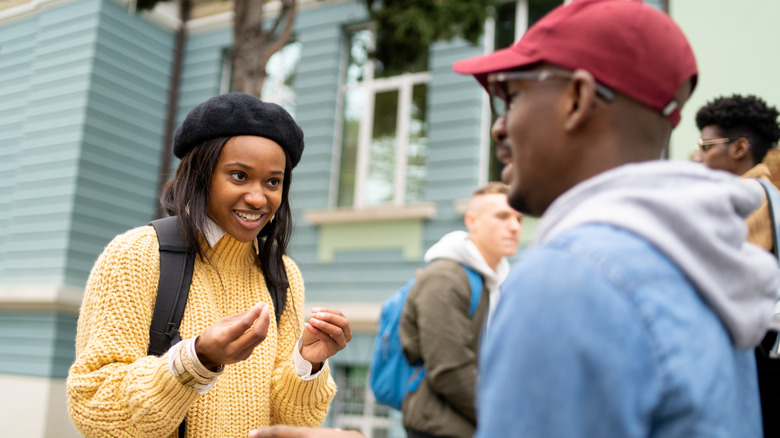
x,y
630,47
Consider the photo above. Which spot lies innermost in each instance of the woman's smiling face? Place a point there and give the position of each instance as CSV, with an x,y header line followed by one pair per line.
x,y
246,186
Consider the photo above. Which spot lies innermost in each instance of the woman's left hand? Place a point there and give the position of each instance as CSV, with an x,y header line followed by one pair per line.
x,y
326,334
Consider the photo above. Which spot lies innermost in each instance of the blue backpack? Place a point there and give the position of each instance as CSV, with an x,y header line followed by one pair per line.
x,y
391,375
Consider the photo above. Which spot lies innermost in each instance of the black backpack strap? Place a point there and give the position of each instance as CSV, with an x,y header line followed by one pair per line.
x,y
176,265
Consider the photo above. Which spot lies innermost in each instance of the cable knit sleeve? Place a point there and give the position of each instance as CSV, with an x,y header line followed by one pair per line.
x,y
113,387
295,401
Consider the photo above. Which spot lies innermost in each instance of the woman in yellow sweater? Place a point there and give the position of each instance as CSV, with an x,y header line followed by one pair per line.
x,y
242,364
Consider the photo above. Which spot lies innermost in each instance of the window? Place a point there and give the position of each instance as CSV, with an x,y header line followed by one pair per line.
x,y
279,76
354,407
384,129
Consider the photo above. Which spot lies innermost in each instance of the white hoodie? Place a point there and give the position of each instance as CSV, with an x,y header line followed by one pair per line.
x,y
694,215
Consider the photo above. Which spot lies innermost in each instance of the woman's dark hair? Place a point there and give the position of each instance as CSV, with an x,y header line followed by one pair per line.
x,y
743,116
186,196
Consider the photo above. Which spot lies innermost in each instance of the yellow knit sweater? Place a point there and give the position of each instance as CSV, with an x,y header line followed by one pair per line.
x,y
115,389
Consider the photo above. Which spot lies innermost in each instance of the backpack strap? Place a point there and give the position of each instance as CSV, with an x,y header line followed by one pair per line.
x,y
475,281
173,288
176,266
773,198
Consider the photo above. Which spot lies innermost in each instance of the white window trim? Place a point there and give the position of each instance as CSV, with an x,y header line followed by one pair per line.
x,y
404,83
487,117
227,72
384,212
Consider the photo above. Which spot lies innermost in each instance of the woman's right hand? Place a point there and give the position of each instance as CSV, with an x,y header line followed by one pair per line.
x,y
233,338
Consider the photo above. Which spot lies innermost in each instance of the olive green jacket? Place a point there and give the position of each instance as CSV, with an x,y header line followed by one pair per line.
x,y
436,327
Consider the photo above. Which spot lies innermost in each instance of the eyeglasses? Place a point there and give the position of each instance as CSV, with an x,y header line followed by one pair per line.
x,y
500,99
706,145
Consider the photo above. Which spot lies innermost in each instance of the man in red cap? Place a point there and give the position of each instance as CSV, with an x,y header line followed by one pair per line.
x,y
635,312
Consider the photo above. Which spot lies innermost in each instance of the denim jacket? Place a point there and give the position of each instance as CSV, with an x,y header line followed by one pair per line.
x,y
634,314
602,336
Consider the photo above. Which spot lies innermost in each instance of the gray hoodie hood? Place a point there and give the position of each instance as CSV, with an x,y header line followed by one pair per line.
x,y
694,215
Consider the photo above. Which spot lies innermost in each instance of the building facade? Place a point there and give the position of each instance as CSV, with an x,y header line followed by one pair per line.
x,y
389,157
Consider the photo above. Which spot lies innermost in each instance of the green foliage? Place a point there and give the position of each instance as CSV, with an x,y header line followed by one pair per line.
x,y
406,28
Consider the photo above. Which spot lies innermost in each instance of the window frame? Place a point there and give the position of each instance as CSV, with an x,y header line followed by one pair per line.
x,y
404,84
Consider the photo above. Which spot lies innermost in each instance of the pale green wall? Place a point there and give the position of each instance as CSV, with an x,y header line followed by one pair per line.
x,y
735,43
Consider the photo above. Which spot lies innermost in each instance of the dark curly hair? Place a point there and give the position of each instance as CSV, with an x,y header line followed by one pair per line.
x,y
743,116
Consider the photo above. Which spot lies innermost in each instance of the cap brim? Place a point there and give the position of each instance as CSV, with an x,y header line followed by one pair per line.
x,y
500,60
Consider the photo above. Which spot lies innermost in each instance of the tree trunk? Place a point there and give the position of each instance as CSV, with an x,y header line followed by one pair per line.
x,y
253,44
173,100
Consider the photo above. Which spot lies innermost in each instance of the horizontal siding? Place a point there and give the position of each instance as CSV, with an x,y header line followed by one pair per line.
x,y
316,84
37,344
327,15
202,69
54,51
358,351
123,134
312,199
343,281
454,138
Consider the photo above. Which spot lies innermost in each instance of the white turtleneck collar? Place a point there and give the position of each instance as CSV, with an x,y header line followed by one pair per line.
x,y
213,233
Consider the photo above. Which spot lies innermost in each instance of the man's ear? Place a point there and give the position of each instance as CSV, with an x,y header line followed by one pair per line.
x,y
582,95
469,218
739,148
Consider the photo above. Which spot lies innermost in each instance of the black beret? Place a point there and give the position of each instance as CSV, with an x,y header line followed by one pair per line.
x,y
233,114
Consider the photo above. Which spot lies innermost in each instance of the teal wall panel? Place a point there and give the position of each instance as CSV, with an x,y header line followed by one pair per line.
x,y
454,114
118,171
320,31
371,277
358,350
36,344
83,95
202,68
53,50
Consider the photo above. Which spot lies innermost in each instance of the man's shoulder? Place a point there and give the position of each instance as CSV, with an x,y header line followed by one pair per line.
x,y
443,264
597,252
439,275
600,240
444,270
